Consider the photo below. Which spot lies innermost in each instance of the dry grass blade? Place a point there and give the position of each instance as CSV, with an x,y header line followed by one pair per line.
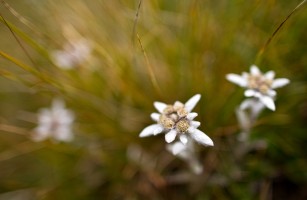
x,y
19,150
149,67
136,21
26,22
12,129
17,62
276,31
18,41
18,16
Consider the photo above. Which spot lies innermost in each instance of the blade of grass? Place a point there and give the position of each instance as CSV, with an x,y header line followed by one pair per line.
x,y
18,63
27,23
40,76
136,20
149,67
12,129
18,41
8,75
260,53
27,38
19,150
20,18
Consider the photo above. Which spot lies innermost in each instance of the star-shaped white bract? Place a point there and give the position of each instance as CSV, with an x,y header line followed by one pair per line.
x,y
177,120
54,123
259,85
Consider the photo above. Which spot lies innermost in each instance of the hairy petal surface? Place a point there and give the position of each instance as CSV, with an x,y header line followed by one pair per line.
x,y
268,102
280,82
155,116
191,103
200,137
149,130
160,106
255,70
170,136
237,79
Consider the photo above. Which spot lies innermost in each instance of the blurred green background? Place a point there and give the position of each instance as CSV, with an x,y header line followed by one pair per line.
x,y
190,46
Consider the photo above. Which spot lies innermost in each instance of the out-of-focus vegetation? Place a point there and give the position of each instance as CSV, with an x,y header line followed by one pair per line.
x,y
190,45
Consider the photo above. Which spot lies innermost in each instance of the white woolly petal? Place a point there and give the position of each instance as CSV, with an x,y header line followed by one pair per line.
x,y
257,108
155,116
258,94
280,82
245,75
160,106
158,130
200,137
45,116
62,59
192,115
195,124
270,75
149,130
271,93
64,134
41,133
255,70
250,93
183,139
176,148
170,136
255,105
268,102
191,103
178,104
247,104
237,79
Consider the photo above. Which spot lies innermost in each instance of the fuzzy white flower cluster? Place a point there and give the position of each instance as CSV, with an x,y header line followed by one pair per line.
x,y
54,123
259,85
177,120
74,53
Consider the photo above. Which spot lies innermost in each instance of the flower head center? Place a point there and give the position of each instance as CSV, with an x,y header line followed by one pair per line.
x,y
259,83
175,116
182,125
166,122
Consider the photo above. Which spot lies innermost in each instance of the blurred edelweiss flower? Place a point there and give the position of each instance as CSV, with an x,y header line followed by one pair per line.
x,y
73,54
259,85
54,123
177,120
75,51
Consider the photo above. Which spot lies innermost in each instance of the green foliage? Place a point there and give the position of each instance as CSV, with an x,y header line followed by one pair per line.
x,y
163,51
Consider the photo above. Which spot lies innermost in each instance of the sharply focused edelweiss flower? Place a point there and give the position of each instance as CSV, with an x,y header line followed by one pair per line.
x,y
54,123
259,85
177,120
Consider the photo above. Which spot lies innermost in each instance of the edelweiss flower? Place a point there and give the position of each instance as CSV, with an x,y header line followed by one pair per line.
x,y
73,54
75,51
177,120
54,123
259,85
